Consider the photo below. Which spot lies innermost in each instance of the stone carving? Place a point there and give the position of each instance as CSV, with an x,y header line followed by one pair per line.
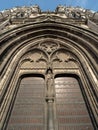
x,y
49,83
63,60
26,12
34,60
33,14
49,47
35,57
62,57
35,8
74,12
60,9
49,64
20,12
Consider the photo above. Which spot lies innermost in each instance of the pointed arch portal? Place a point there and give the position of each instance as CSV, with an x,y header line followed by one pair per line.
x,y
49,77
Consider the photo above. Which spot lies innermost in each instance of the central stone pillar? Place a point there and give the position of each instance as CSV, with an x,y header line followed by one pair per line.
x,y
50,114
50,99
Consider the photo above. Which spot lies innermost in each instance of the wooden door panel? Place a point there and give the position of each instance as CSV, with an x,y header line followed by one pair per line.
x,y
28,109
72,113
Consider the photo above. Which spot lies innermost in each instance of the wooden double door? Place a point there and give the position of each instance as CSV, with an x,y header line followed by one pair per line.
x,y
33,111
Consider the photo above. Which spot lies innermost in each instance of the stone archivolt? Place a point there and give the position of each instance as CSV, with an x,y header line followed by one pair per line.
x,y
35,42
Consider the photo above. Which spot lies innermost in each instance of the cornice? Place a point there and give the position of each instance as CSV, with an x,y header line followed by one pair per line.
x,y
61,11
17,16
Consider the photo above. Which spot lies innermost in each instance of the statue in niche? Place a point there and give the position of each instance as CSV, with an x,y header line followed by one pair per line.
x,y
49,83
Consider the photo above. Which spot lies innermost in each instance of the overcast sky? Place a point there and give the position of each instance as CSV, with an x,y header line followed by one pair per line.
x,y
49,4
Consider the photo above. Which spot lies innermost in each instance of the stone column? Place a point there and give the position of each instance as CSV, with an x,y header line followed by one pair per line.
x,y
50,115
50,99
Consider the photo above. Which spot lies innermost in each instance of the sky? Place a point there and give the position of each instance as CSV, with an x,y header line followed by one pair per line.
x,y
49,4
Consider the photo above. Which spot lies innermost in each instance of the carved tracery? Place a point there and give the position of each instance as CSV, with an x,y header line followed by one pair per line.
x,y
34,59
64,59
50,56
49,46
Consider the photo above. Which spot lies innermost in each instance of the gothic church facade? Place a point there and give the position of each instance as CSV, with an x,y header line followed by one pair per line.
x,y
49,69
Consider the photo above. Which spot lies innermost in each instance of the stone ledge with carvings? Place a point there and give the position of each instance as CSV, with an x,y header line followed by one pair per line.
x,y
11,18
62,11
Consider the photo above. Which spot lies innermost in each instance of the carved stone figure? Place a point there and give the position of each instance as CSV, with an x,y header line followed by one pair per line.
x,y
60,9
49,83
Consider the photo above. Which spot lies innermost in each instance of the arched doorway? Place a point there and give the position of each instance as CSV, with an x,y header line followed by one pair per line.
x,y
59,47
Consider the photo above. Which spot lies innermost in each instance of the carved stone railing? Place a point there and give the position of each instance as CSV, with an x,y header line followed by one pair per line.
x,y
31,14
32,11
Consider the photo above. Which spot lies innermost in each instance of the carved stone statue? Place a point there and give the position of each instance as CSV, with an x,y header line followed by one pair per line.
x,y
60,9
49,83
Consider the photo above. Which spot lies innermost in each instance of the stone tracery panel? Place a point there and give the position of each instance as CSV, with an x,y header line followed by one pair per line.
x,y
64,59
49,46
34,59
49,54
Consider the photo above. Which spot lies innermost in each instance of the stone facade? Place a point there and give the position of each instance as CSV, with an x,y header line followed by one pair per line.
x,y
48,44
